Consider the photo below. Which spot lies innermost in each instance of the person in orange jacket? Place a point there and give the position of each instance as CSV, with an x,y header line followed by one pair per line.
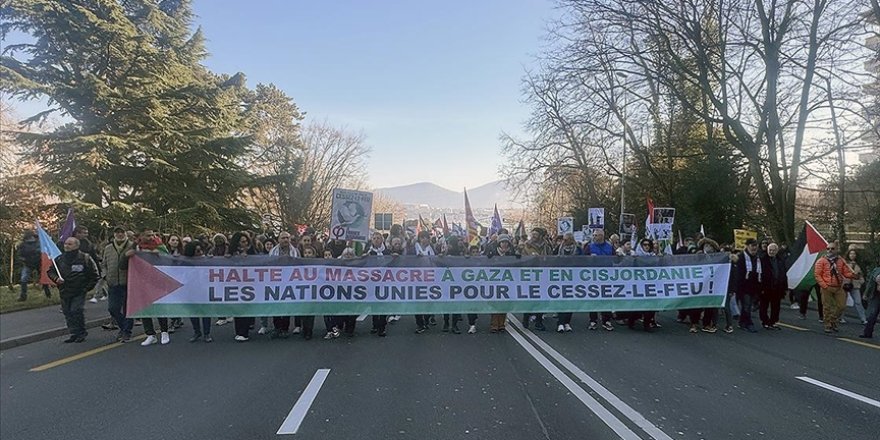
x,y
830,272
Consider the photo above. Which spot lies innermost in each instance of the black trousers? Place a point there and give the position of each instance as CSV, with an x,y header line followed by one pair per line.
x,y
804,298
379,322
422,320
770,302
73,306
693,315
633,317
710,317
331,322
347,323
281,323
539,319
148,325
243,326
307,324
606,317
563,318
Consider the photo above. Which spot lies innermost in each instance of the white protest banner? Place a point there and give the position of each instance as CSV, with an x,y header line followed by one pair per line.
x,y
627,227
662,235
350,215
597,218
564,225
664,215
262,285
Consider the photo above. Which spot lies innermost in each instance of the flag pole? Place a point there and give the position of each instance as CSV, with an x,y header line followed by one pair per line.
x,y
11,263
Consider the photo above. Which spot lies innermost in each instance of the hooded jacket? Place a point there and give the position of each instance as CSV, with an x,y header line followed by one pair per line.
x,y
29,253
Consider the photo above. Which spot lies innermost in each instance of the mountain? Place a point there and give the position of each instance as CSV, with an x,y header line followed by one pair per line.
x,y
426,193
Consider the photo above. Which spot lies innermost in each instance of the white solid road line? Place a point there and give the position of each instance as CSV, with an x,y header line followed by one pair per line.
x,y
618,404
301,408
606,416
362,317
846,393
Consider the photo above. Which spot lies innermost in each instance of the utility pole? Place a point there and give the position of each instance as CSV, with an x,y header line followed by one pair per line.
x,y
623,168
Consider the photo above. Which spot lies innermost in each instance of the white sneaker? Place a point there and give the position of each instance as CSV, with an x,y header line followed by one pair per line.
x,y
329,335
103,298
151,339
472,329
296,330
262,331
567,327
220,321
593,326
560,328
842,321
240,338
336,333
165,338
795,307
93,300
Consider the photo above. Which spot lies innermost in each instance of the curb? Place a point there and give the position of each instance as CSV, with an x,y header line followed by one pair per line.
x,y
46,334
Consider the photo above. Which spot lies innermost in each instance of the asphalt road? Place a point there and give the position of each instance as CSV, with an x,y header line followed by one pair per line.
x,y
519,385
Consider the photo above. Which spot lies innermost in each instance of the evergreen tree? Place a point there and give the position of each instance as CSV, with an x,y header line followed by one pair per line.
x,y
152,132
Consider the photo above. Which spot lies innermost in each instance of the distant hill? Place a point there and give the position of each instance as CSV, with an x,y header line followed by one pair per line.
x,y
427,193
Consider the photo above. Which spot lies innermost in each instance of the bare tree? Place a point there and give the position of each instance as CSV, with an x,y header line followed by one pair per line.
x,y
747,69
334,158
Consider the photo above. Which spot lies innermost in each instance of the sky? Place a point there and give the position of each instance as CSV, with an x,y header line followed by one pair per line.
x,y
431,84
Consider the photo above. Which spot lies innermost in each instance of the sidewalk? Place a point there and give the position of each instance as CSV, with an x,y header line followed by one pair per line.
x,y
28,326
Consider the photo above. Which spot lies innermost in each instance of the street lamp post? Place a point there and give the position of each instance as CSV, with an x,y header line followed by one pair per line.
x,y
623,168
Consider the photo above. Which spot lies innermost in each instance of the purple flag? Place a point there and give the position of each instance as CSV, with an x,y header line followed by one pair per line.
x,y
69,225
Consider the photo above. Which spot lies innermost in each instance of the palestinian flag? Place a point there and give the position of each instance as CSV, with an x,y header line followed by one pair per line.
x,y
809,247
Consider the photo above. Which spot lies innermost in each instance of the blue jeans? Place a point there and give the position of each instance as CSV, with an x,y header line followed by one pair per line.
x,y
745,312
117,297
873,311
204,328
26,278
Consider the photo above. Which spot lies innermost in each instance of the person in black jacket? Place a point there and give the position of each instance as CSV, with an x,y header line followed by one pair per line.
x,y
29,256
752,278
75,273
771,297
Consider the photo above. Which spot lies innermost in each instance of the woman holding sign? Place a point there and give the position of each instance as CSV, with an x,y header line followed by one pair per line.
x,y
240,246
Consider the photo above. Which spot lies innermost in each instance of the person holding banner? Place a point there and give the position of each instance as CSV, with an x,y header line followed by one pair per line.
x,y
645,249
281,324
710,315
347,323
75,273
150,242
240,246
377,248
201,326
568,248
497,321
598,246
424,249
536,245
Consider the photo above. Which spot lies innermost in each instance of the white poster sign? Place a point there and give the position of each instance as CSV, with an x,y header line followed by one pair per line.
x,y
351,215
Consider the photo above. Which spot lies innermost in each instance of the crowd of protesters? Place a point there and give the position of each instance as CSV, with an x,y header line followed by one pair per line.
x,y
757,280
